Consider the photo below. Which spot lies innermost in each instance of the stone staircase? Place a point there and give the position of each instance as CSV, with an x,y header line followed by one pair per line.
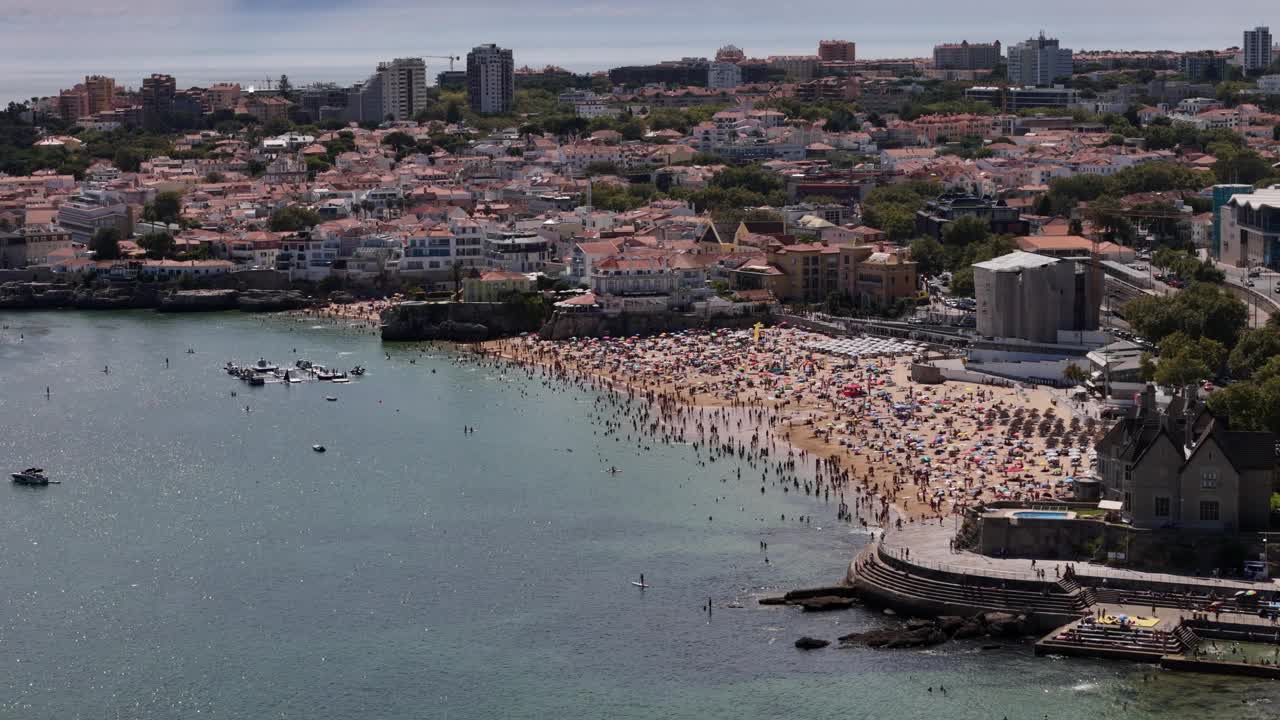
x,y
898,583
1139,643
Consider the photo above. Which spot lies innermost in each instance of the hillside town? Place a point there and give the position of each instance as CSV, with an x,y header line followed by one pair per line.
x,y
1007,304
922,193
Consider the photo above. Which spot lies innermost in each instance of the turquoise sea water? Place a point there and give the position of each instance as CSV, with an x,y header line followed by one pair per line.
x,y
201,561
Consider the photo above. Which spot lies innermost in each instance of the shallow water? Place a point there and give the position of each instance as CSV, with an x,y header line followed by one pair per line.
x,y
199,559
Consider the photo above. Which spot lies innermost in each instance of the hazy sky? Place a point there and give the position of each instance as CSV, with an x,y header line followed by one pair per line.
x,y
49,44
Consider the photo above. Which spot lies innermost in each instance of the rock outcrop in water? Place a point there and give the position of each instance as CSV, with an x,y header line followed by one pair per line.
x,y
47,296
924,633
463,322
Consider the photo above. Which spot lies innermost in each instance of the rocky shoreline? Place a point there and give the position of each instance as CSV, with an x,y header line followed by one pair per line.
x,y
910,633
53,296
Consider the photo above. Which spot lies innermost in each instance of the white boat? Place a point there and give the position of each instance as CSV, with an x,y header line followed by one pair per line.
x,y
263,366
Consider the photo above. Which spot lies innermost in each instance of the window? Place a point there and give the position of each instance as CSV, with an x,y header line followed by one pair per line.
x,y
1209,510
1162,507
1208,479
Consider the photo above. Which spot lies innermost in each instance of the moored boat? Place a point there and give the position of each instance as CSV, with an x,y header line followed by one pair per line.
x,y
30,476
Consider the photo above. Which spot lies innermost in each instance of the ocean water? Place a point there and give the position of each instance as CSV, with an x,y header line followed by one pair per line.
x,y
199,560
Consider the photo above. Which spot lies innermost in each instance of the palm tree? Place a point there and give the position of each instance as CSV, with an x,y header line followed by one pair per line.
x,y
1074,373
455,273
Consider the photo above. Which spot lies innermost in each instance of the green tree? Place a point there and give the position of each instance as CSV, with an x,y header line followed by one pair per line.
x,y
106,244
1074,373
929,255
157,245
128,160
293,218
166,208
1255,348
1185,360
966,230
455,274
399,140
1201,310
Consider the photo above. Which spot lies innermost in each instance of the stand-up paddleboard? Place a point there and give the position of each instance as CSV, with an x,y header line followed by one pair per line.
x,y
639,584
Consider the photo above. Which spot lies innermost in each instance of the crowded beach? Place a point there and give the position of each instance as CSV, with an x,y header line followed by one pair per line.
x,y
887,449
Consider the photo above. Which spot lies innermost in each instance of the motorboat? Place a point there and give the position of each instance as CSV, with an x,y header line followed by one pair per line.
x,y
263,366
318,448
302,364
357,370
31,476
330,398
341,379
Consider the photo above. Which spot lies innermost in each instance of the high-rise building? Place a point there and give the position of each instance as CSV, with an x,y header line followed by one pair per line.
x,y
837,51
966,56
157,97
1257,49
723,75
404,87
491,80
1038,61
101,91
1203,65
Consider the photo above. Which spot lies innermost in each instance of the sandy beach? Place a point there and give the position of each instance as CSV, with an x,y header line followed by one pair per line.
x,y
852,429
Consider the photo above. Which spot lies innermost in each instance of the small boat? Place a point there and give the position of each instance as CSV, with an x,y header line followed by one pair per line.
x,y
342,379
330,398
256,380
263,366
357,371
31,476
318,448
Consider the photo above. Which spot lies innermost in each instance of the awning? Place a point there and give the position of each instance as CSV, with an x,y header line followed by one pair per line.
x,y
1110,505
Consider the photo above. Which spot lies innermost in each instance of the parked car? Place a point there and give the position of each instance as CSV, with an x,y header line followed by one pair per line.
x,y
1255,271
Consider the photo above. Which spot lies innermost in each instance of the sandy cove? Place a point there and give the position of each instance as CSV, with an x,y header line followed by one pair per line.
x,y
861,425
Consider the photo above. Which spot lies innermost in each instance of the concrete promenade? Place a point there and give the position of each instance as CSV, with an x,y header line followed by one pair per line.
x,y
929,546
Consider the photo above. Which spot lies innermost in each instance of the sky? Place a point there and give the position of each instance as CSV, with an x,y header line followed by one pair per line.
x,y
46,45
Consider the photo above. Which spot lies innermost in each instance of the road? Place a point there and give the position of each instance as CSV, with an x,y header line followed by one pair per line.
x,y
1264,284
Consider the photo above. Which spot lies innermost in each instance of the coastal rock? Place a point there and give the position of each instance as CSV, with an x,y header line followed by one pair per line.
x,y
199,301
828,591
992,646
270,300
1006,625
967,630
949,624
895,638
808,643
826,602
924,637
773,601
919,624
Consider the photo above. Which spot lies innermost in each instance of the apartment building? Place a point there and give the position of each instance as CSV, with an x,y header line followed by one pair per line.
x,y
490,80
1256,49
837,51
1038,61
966,56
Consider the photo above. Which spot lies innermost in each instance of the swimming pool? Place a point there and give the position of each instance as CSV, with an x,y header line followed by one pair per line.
x,y
1041,515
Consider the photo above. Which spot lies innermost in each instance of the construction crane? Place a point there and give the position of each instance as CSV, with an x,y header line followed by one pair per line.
x,y
450,58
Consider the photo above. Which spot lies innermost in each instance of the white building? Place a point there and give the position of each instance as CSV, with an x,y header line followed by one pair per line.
x,y
723,76
1256,49
404,88
1269,84
1038,61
